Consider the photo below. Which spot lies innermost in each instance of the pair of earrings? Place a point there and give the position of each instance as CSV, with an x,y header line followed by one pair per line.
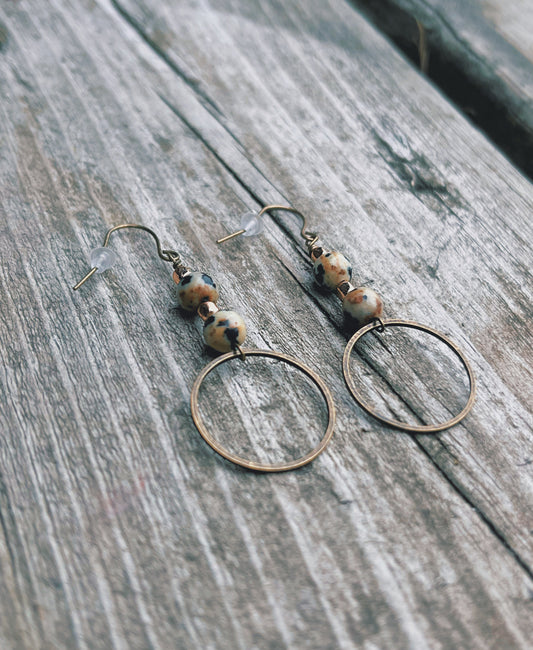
x,y
225,330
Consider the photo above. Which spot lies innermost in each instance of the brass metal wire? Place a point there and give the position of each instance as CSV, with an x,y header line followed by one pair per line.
x,y
165,254
244,462
380,325
310,237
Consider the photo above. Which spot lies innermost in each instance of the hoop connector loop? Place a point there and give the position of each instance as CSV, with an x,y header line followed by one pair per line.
x,y
251,464
380,325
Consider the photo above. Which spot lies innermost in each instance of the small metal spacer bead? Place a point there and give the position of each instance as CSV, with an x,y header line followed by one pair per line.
x,y
344,289
316,252
207,309
180,272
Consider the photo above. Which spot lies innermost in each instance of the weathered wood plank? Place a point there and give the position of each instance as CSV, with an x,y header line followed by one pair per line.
x,y
433,204
125,530
480,53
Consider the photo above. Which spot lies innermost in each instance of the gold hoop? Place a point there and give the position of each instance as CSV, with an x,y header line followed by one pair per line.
x,y
428,428
250,464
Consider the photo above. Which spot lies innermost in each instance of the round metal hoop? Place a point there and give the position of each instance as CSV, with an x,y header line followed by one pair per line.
x,y
428,428
250,464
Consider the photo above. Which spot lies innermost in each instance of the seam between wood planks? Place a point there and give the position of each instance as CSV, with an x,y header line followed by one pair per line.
x,y
513,135
216,113
218,157
454,484
171,64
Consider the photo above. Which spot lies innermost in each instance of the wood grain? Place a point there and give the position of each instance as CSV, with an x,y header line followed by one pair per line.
x,y
120,527
480,53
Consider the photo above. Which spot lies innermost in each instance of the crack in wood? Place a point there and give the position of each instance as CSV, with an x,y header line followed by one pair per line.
x,y
489,523
474,83
190,81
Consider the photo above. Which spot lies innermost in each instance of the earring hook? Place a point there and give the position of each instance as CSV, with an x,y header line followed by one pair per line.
x,y
165,254
310,237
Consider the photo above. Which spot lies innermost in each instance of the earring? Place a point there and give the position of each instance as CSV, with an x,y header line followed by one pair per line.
x,y
224,331
363,309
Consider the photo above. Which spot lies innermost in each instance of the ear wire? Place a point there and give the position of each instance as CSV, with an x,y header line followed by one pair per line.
x,y
310,237
103,258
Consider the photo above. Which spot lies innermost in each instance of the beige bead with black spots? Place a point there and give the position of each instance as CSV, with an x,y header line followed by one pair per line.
x,y
332,268
361,306
224,330
194,288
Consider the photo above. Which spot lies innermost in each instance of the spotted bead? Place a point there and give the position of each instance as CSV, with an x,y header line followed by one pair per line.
x,y
361,306
224,330
332,268
195,288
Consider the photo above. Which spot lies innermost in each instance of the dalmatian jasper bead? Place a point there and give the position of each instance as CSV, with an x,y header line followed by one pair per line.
x,y
361,306
332,268
195,288
224,330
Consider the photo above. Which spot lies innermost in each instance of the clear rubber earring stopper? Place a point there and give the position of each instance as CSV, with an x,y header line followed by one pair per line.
x,y
251,224
102,259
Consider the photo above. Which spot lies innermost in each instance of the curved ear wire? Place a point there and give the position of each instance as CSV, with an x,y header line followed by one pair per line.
x,y
104,258
310,237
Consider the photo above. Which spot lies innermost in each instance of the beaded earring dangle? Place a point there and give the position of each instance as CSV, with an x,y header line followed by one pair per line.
x,y
224,331
363,309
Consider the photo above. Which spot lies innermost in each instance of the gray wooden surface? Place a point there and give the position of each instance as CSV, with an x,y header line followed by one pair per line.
x,y
480,52
119,526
